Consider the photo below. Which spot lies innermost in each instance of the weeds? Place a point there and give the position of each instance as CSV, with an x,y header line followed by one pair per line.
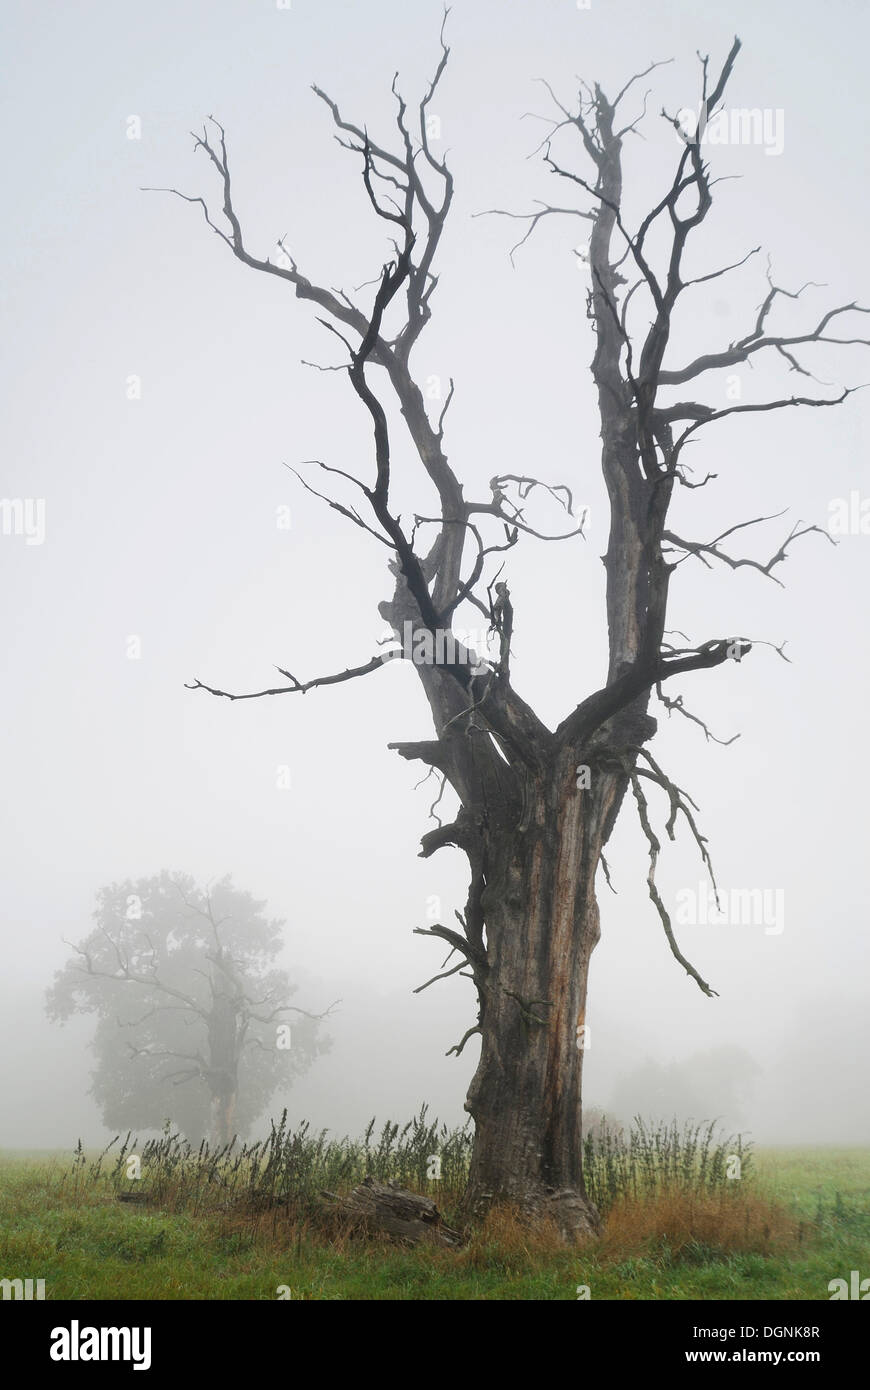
x,y
290,1170
657,1159
662,1190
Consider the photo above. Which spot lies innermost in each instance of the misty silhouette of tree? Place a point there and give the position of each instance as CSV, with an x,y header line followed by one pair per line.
x,y
194,1021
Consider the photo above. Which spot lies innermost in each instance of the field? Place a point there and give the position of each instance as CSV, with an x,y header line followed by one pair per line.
x,y
797,1219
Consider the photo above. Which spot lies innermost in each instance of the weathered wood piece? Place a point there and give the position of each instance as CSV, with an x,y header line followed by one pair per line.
x,y
404,1215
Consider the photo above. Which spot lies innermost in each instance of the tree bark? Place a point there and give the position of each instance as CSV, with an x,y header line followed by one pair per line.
x,y
542,925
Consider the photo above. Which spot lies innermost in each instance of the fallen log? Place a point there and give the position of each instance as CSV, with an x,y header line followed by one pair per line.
x,y
403,1215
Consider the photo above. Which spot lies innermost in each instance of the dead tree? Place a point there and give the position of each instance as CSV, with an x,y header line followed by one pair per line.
x,y
534,832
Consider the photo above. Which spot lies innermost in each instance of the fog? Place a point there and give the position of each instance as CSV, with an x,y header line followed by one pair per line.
x,y
162,559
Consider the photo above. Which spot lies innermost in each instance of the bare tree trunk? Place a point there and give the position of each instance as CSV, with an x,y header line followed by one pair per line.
x,y
223,1109
223,1023
542,925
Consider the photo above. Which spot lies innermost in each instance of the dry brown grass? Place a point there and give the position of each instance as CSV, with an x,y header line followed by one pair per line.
x,y
508,1234
690,1225
726,1221
675,1221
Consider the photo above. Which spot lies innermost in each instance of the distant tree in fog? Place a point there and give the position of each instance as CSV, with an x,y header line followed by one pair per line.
x,y
194,1020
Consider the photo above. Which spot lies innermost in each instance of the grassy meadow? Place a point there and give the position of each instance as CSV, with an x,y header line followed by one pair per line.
x,y
244,1223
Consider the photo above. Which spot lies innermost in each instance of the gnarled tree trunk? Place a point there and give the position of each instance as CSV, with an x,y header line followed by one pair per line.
x,y
542,925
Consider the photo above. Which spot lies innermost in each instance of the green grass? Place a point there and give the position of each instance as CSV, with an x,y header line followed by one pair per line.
x,y
87,1245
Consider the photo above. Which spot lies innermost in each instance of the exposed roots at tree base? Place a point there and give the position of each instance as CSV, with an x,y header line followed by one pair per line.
x,y
564,1216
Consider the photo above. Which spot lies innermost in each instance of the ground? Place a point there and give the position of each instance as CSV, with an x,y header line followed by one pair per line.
x,y
86,1245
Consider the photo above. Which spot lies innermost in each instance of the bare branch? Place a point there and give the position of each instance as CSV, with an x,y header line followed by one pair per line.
x,y
654,851
457,1047
715,274
296,687
533,218
676,705
701,549
756,341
